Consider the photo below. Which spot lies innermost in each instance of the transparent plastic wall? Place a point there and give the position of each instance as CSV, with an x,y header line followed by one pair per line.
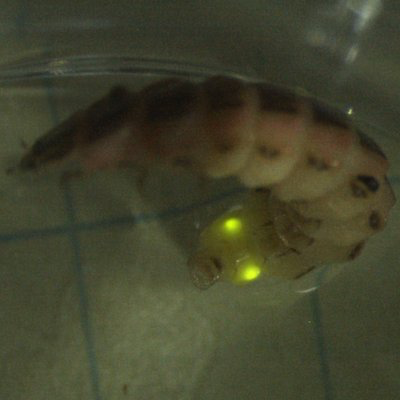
x,y
96,300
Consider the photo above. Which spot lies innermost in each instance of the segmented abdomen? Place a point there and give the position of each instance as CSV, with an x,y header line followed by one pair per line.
x,y
327,187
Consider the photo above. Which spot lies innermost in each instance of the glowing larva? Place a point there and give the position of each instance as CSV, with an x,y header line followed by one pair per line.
x,y
319,186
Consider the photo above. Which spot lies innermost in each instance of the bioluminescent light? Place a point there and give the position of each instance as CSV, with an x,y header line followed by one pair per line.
x,y
232,226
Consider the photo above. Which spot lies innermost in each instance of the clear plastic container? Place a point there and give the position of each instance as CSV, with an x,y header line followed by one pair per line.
x,y
96,297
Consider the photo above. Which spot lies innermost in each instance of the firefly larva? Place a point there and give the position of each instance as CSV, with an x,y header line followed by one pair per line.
x,y
319,187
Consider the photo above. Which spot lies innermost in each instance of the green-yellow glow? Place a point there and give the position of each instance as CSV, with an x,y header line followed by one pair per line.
x,y
232,225
248,272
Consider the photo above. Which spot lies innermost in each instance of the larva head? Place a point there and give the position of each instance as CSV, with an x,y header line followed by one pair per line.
x,y
225,252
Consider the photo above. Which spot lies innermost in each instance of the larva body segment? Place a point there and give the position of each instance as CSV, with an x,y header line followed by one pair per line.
x,y
284,124
319,186
325,165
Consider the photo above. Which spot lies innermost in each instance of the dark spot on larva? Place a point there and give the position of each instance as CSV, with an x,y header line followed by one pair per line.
x,y
268,223
305,272
182,162
310,241
107,114
55,145
57,141
223,92
169,101
317,163
369,181
27,162
370,144
224,148
276,99
262,190
329,116
267,152
375,220
289,251
293,250
356,251
117,94
218,264
357,190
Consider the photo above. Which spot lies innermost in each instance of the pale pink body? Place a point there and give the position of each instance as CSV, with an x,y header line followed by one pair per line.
x,y
329,179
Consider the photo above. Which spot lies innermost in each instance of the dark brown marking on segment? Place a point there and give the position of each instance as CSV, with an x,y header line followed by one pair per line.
x,y
224,148
305,272
310,241
268,223
262,190
375,220
289,251
99,120
182,162
276,99
317,163
168,100
218,264
267,152
370,144
54,145
329,116
356,251
224,93
369,181
108,114
357,190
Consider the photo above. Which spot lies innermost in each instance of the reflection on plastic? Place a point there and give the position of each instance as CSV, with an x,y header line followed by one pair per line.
x,y
338,29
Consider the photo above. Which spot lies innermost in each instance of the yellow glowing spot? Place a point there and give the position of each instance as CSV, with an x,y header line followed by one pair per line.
x,y
350,111
248,273
232,225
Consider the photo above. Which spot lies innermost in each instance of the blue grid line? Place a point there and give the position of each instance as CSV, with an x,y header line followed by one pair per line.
x,y
21,21
83,296
128,220
77,262
32,234
316,313
131,219
394,180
